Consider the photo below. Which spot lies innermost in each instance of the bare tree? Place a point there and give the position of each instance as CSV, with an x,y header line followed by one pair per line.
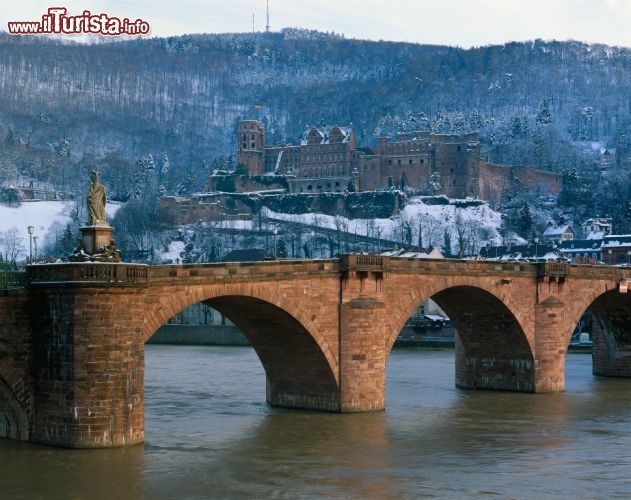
x,y
11,245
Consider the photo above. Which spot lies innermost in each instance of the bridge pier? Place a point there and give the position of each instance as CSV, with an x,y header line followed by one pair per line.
x,y
550,346
362,355
88,365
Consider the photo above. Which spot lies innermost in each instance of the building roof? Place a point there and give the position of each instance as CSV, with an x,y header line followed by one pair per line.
x,y
587,245
531,252
415,253
247,255
325,134
557,230
617,240
601,221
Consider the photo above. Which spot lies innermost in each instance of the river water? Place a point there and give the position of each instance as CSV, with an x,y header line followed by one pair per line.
x,y
209,434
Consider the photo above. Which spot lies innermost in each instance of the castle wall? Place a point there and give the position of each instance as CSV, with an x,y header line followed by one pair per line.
x,y
494,179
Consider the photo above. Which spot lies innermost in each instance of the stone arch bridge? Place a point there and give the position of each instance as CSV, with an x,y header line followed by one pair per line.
x,y
72,335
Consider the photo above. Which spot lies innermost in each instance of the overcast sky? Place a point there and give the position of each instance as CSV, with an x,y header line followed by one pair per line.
x,y
463,23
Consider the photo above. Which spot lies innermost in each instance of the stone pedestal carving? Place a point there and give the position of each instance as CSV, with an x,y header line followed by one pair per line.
x,y
96,245
96,238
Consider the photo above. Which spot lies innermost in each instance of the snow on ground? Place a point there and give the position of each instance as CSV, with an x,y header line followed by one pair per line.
x,y
173,252
40,215
432,218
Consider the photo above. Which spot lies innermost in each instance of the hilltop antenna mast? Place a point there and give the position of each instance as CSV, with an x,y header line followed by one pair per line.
x,y
267,25
252,22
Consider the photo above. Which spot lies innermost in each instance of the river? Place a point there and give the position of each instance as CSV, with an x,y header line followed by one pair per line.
x,y
209,434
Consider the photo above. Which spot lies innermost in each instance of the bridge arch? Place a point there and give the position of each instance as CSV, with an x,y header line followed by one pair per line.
x,y
611,333
299,361
493,350
14,421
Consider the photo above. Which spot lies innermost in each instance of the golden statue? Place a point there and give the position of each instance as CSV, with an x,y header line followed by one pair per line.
x,y
96,199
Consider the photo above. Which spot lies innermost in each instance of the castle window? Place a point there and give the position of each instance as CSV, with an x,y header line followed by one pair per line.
x,y
410,162
459,148
398,162
389,162
245,146
252,136
309,187
422,161
451,170
253,146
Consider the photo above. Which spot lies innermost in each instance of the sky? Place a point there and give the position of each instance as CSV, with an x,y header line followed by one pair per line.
x,y
462,23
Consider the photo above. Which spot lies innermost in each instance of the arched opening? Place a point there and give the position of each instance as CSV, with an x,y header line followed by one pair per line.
x,y
611,334
14,423
491,348
297,372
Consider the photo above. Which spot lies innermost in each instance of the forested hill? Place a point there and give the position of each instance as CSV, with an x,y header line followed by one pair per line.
x,y
67,106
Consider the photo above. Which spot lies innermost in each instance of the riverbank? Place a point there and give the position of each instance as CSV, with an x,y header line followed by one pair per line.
x,y
220,335
225,335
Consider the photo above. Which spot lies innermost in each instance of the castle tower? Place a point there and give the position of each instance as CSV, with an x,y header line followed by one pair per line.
x,y
456,158
251,146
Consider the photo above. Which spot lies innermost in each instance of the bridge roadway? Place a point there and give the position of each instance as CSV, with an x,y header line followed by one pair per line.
x,y
72,336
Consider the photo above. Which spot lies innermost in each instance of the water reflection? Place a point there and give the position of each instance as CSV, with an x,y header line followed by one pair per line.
x,y
33,471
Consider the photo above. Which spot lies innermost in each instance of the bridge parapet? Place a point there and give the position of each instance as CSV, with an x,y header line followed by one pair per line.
x,y
407,265
12,279
359,262
93,273
552,269
242,271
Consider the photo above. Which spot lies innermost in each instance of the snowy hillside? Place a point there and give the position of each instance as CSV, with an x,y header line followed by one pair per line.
x,y
39,214
463,225
418,224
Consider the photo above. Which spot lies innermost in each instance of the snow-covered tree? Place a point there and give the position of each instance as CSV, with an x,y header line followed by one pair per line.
x,y
434,183
143,176
544,115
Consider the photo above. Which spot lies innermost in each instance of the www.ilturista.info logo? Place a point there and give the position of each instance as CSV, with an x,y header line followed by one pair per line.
x,y
57,22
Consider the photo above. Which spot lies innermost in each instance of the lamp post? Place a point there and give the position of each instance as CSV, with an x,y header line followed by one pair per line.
x,y
30,230
628,257
35,238
536,248
275,231
378,239
312,244
609,252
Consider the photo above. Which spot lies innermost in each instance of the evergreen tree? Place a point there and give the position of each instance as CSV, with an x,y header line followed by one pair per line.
x,y
281,249
526,219
143,176
446,243
544,115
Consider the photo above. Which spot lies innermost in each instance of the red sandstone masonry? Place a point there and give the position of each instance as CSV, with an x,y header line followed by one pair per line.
x,y
322,329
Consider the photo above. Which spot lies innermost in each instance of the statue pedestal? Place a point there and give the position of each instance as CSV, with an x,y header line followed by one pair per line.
x,y
95,238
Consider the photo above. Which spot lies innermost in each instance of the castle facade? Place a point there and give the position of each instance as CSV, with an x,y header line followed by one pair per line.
x,y
328,159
